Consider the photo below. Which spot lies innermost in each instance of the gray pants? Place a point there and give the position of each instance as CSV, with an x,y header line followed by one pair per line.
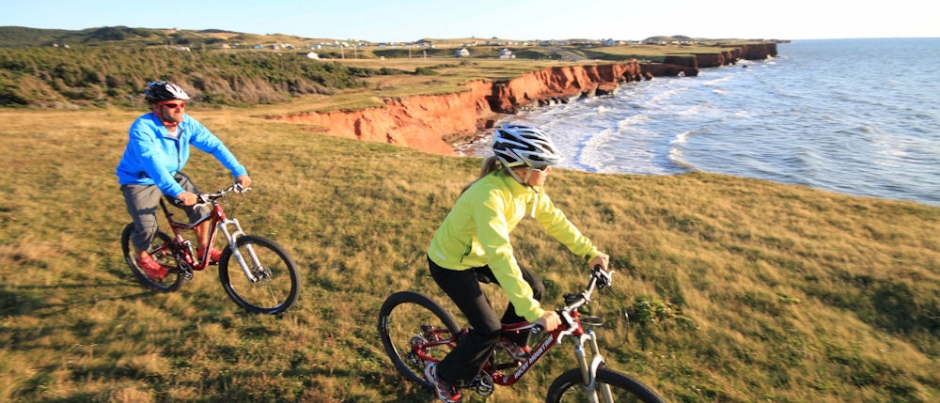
x,y
142,203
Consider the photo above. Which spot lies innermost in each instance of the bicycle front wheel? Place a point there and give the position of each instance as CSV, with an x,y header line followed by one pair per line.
x,y
277,281
159,251
407,320
568,387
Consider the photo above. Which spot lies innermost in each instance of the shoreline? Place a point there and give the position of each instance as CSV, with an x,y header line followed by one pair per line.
x,y
444,123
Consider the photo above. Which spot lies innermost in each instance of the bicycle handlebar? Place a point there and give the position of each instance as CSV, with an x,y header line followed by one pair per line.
x,y
210,197
599,280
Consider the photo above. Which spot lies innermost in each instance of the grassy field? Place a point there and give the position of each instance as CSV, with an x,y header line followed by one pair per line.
x,y
738,290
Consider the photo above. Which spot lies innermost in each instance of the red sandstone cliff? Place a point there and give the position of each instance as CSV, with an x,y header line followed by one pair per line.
x,y
431,122
421,122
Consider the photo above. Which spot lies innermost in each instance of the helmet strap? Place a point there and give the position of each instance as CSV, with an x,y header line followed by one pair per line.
x,y
156,111
512,172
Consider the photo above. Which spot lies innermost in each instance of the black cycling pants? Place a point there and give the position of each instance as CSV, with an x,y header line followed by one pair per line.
x,y
463,287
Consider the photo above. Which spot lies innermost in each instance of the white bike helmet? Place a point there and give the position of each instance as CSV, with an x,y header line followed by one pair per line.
x,y
159,91
516,145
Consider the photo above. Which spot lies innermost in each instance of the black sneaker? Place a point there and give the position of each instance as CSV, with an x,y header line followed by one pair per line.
x,y
445,392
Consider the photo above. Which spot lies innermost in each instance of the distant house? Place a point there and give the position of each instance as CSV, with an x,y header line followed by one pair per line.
x,y
313,55
463,52
258,47
506,54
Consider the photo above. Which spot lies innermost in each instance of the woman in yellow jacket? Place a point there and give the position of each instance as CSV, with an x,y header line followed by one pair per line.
x,y
472,245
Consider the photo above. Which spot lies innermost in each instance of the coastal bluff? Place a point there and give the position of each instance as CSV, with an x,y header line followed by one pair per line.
x,y
435,123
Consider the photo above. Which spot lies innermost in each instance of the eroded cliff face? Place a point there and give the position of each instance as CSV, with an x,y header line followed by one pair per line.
x,y
728,56
423,122
434,123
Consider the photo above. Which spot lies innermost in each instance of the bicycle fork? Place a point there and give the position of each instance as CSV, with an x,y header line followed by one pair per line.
x,y
231,238
589,369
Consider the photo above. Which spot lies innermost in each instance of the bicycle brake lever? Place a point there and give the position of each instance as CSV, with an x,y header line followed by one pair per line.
x,y
605,277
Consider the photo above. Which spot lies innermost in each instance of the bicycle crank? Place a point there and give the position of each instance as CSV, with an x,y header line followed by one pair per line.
x,y
483,385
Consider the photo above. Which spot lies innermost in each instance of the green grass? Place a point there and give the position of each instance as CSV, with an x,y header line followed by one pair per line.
x,y
739,290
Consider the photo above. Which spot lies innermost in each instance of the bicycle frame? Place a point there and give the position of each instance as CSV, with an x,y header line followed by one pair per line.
x,y
552,339
220,222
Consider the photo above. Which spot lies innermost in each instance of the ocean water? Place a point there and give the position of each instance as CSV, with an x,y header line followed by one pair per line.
x,y
855,116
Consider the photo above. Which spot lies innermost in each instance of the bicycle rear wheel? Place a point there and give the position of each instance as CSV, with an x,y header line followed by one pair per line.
x,y
568,387
407,320
278,281
159,251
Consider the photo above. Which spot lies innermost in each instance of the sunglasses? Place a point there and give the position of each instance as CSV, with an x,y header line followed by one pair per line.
x,y
175,105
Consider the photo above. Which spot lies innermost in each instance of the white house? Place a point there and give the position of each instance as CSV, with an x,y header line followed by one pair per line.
x,y
463,52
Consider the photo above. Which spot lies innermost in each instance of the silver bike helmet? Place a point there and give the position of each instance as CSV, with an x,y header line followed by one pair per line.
x,y
516,145
159,91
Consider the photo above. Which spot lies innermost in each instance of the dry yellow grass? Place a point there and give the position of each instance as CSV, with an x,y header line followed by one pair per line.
x,y
769,292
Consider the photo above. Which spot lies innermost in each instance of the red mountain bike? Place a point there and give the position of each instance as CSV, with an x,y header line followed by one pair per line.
x,y
415,331
257,273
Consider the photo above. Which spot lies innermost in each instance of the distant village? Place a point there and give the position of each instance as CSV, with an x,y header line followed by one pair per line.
x,y
461,50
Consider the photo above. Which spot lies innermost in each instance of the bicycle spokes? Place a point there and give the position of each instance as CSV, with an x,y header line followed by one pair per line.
x,y
259,275
415,331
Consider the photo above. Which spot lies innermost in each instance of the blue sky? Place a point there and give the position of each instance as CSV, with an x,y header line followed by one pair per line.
x,y
409,20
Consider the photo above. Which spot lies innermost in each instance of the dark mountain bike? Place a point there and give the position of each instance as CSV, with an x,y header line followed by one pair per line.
x,y
416,331
257,273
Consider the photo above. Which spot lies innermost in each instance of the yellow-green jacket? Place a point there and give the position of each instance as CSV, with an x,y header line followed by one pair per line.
x,y
476,233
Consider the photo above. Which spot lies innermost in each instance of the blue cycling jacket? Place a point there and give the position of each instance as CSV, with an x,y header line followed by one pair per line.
x,y
152,157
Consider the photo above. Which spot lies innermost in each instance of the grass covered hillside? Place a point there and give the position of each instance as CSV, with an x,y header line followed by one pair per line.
x,y
111,76
738,290
109,66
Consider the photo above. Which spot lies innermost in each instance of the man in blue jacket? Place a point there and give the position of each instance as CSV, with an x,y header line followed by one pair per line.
x,y
156,153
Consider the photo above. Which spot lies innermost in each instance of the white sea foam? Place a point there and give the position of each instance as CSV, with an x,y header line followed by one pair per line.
x,y
818,115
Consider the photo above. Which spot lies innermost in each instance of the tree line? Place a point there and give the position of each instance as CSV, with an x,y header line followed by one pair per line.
x,y
97,76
